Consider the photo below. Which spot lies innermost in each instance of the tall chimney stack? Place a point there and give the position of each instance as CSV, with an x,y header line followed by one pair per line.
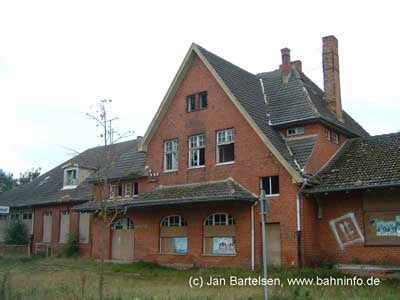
x,y
285,66
330,63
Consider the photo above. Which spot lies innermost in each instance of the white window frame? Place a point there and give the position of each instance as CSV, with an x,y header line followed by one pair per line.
x,y
173,150
297,131
196,143
188,102
327,134
128,189
70,186
229,138
166,221
335,138
270,186
211,217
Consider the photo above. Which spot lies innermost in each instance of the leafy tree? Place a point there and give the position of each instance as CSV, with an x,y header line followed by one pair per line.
x,y
27,176
16,233
6,181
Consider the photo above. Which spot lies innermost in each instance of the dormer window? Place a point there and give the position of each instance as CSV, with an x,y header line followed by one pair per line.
x,y
295,131
70,178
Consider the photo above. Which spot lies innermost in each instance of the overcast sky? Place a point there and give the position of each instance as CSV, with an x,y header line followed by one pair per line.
x,y
58,58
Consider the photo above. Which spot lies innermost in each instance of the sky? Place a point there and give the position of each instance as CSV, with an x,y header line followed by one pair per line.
x,y
58,59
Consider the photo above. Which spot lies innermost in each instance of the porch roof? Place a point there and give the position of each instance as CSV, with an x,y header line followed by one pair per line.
x,y
211,191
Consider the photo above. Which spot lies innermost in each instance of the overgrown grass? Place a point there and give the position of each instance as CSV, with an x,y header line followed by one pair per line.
x,y
56,278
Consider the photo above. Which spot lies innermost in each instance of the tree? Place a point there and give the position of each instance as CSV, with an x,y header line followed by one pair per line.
x,y
16,233
109,136
6,181
28,176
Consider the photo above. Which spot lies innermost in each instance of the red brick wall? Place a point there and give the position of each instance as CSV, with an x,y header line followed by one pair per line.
x,y
252,158
55,236
339,204
147,234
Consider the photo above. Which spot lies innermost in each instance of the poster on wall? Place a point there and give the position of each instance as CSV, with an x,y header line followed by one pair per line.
x,y
386,228
223,245
180,245
398,225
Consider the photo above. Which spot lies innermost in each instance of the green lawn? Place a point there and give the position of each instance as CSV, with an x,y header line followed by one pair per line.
x,y
56,278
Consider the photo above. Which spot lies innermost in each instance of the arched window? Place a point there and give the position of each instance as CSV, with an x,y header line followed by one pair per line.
x,y
122,224
219,235
173,235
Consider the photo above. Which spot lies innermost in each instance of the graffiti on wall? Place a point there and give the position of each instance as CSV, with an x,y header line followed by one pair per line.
x,y
346,230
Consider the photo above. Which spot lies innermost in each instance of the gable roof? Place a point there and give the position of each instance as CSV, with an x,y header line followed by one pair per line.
x,y
47,188
361,163
302,148
245,91
212,191
300,100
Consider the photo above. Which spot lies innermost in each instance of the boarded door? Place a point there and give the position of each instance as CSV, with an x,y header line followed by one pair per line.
x,y
27,219
274,244
84,227
47,224
122,240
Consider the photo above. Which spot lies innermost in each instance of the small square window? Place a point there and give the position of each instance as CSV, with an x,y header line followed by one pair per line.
x,y
71,177
270,185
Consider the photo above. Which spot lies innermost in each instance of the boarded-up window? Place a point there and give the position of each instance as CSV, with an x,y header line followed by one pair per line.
x,y
47,224
64,226
84,227
219,235
382,228
27,219
173,235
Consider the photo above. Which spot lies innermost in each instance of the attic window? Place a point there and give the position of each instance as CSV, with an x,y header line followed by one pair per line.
x,y
70,178
295,131
335,138
196,101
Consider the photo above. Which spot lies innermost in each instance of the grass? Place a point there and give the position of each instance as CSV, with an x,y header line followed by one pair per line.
x,y
56,278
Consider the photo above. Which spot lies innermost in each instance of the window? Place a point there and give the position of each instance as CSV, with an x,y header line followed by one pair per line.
x,y
122,224
327,134
335,138
173,235
27,216
135,189
64,227
196,101
15,216
219,235
196,150
113,191
202,100
270,185
70,178
225,146
84,227
171,155
191,103
128,189
120,190
295,131
47,226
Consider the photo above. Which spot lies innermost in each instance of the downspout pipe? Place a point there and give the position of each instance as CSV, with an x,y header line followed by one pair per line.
x,y
253,237
298,221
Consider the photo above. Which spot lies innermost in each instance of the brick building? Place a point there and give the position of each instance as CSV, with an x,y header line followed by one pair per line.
x,y
186,193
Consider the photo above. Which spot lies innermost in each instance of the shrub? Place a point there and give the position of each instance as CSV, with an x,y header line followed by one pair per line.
x,y
16,233
71,248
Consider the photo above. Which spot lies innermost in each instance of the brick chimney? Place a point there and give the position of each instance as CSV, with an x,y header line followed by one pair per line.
x,y
330,64
285,66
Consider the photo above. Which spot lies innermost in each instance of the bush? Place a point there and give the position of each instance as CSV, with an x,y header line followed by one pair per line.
x,y
71,248
16,233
